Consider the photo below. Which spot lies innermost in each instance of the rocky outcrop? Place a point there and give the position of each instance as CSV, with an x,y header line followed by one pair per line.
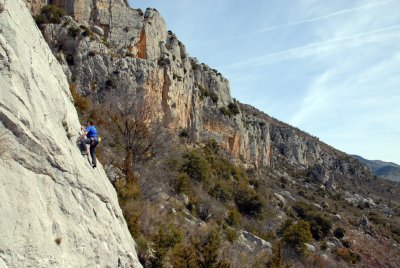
x,y
55,210
188,95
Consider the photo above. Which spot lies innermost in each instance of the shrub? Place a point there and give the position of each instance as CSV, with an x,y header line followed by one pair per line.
x,y
184,256
182,184
231,110
302,209
221,192
233,217
214,97
167,237
203,92
277,260
234,108
297,234
238,173
86,31
196,166
206,93
127,189
74,31
347,255
339,232
320,225
221,168
208,247
49,14
225,111
212,147
285,225
248,202
231,234
203,210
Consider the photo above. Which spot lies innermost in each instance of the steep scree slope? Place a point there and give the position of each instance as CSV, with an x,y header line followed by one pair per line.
x,y
55,210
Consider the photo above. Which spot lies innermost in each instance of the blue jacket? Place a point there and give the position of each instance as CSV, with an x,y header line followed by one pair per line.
x,y
91,132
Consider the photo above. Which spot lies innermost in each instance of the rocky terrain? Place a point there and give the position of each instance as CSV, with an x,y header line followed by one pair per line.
x,y
387,170
55,210
202,179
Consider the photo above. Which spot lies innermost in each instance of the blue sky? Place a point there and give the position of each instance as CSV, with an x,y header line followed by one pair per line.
x,y
330,68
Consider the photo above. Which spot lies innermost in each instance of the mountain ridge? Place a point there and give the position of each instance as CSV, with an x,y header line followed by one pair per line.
x,y
387,170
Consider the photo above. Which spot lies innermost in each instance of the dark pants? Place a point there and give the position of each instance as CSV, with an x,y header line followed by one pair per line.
x,y
93,144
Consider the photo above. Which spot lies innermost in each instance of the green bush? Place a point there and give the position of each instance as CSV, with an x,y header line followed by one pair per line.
x,y
74,31
182,184
211,148
320,225
86,31
297,234
221,167
233,217
49,14
203,91
225,111
167,237
221,192
285,225
206,93
238,173
208,247
302,209
248,202
184,256
231,234
214,97
234,108
277,260
196,166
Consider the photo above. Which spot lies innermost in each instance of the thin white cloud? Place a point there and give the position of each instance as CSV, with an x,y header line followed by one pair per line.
x,y
352,86
315,19
324,17
318,47
354,106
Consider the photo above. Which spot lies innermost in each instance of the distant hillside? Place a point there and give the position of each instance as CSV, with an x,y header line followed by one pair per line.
x,y
387,170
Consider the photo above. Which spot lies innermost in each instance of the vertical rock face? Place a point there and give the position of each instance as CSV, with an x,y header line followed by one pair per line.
x,y
55,210
145,57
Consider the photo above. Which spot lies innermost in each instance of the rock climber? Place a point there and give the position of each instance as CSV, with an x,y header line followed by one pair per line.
x,y
89,136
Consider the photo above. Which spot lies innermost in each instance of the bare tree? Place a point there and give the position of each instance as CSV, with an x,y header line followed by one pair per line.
x,y
133,125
